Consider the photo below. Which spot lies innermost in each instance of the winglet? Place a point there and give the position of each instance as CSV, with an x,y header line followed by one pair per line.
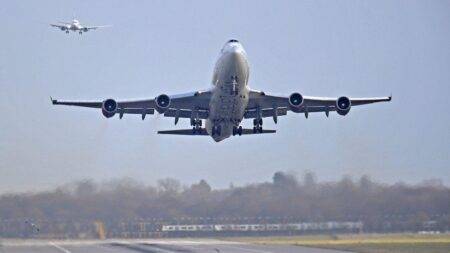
x,y
390,97
54,101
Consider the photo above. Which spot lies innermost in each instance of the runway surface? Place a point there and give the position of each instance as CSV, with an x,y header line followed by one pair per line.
x,y
150,246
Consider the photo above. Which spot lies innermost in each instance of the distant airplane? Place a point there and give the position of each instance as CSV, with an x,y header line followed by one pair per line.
x,y
33,226
227,103
75,26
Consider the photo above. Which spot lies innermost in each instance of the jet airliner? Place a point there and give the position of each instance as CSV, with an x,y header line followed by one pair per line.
x,y
76,26
227,103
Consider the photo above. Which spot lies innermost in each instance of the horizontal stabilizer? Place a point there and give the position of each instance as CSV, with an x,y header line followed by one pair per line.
x,y
264,131
202,131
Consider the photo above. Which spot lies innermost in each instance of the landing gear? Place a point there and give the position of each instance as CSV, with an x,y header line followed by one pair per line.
x,y
80,32
237,130
196,130
216,130
197,125
196,122
67,31
257,126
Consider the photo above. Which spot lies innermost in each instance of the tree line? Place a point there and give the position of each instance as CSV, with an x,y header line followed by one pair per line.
x,y
379,206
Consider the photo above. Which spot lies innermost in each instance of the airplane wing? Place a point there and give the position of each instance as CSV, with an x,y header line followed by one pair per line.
x,y
96,27
189,105
262,105
59,25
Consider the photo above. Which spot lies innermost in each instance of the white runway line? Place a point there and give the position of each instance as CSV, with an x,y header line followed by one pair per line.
x,y
245,249
59,247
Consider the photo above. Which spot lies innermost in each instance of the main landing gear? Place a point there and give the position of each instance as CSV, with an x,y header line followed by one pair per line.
x,y
196,125
257,126
237,130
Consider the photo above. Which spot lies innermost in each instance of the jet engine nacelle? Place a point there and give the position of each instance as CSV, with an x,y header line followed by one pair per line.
x,y
343,105
63,28
85,29
295,101
109,107
162,103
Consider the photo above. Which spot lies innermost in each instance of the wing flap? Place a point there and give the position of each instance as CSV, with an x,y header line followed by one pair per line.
x,y
251,114
185,113
136,111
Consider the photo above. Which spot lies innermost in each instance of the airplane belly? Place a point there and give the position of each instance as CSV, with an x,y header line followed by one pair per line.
x,y
227,110
230,96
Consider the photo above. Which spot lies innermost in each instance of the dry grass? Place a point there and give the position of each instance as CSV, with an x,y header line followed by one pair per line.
x,y
365,243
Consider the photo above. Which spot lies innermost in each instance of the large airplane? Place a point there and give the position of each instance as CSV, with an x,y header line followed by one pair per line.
x,y
226,103
76,26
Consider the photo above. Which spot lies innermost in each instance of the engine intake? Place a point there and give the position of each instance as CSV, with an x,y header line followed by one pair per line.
x,y
109,108
343,105
296,99
162,103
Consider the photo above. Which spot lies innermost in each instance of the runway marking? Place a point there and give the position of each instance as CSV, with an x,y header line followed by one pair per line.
x,y
59,247
245,249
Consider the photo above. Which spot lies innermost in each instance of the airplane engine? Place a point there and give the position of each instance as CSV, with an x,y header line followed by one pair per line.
x,y
109,107
85,29
295,101
63,28
343,105
162,103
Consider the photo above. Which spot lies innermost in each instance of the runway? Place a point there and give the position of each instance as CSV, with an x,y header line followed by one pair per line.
x,y
151,246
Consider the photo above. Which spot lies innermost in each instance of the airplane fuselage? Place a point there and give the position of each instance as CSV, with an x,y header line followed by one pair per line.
x,y
230,91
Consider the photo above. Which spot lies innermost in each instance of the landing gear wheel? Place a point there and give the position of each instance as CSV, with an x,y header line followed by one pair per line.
x,y
237,130
257,126
196,122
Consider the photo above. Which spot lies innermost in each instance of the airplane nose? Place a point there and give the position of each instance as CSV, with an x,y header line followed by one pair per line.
x,y
233,47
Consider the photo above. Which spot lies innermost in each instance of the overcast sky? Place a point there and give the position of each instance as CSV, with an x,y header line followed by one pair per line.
x,y
319,48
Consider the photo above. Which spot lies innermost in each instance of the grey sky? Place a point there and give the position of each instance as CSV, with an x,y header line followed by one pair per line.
x,y
321,48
